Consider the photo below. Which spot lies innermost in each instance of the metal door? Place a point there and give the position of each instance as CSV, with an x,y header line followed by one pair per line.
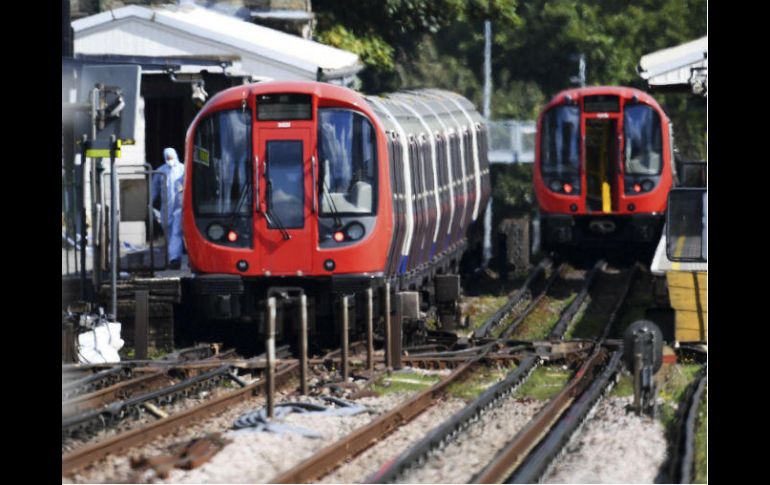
x,y
285,231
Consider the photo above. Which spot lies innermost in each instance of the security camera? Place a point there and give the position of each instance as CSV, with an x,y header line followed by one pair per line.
x,y
199,94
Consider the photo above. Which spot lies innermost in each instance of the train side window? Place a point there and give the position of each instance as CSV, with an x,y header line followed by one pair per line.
x,y
643,140
560,141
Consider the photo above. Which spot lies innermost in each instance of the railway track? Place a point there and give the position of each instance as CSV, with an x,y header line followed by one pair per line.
x,y
332,456
463,422
683,459
486,351
92,452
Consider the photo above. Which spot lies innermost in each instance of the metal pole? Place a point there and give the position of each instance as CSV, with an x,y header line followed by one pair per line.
x,y
486,254
303,344
487,68
113,227
396,332
345,322
270,351
369,329
141,323
95,196
388,336
83,229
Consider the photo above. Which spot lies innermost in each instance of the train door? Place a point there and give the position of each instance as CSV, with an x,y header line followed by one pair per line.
x,y
285,233
601,163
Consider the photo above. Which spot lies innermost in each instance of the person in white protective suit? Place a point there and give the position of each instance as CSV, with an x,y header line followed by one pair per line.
x,y
173,170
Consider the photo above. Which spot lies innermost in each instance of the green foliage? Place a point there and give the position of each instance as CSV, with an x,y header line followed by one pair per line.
x,y
372,49
536,44
511,190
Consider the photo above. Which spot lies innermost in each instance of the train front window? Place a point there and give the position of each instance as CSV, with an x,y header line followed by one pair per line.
x,y
559,150
643,140
347,151
222,174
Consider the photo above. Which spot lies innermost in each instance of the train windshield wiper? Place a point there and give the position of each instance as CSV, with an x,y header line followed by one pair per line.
x,y
237,210
273,218
332,206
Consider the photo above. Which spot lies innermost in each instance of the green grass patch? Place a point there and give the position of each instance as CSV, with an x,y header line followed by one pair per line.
x,y
478,382
513,315
701,443
673,380
544,316
624,386
480,308
403,381
585,324
543,383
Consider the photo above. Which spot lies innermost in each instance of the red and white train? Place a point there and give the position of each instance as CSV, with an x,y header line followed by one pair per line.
x,y
314,186
603,167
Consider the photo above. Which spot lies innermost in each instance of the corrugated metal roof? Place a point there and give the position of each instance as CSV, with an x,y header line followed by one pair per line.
x,y
674,65
200,22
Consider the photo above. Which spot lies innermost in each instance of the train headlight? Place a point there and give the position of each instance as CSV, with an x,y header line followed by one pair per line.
x,y
637,188
232,236
355,231
339,236
567,188
215,232
648,185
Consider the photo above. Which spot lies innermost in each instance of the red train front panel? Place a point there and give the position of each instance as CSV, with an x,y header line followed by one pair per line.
x,y
603,166
287,179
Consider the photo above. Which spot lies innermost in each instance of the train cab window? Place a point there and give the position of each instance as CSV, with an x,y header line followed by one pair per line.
x,y
643,140
286,193
560,144
222,172
347,150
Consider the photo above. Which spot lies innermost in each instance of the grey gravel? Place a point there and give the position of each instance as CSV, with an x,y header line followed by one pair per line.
x,y
371,460
460,460
613,447
257,457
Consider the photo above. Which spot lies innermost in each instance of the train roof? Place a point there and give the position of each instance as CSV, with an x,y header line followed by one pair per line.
x,y
440,110
621,91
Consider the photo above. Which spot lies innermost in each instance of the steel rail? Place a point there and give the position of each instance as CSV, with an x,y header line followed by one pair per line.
x,y
525,440
122,390
94,381
682,463
569,313
462,419
537,461
330,457
138,436
439,436
535,301
513,300
117,411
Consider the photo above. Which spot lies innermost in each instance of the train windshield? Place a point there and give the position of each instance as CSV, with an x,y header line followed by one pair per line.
x,y
560,153
222,176
348,160
643,140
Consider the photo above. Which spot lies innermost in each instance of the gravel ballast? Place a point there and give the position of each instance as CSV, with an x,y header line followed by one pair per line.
x,y
459,461
614,446
371,460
